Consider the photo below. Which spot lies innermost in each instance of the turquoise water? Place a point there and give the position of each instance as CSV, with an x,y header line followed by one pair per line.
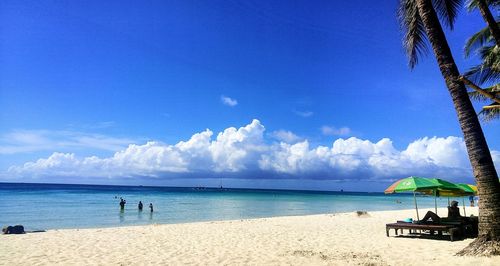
x,y
54,206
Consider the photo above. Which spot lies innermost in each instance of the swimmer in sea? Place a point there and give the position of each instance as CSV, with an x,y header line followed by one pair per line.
x,y
122,203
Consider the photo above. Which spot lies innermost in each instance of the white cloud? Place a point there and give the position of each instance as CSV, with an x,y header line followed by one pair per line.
x,y
228,101
285,136
448,151
303,113
24,141
244,153
362,159
233,150
333,131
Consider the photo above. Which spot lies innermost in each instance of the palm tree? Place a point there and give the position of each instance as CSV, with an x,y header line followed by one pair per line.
x,y
420,22
487,73
485,42
482,5
489,70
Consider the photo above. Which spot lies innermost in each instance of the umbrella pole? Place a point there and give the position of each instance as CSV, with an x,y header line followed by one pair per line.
x,y
463,201
416,207
435,202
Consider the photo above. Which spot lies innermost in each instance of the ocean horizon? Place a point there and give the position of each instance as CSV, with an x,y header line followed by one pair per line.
x,y
42,206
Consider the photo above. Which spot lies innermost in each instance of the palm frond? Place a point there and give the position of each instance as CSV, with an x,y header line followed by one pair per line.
x,y
491,57
415,38
478,40
489,69
490,114
475,95
473,4
447,10
481,74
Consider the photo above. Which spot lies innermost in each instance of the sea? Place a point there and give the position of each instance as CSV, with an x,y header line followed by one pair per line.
x,y
57,206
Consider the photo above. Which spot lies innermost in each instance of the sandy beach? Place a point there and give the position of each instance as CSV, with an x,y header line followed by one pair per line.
x,y
327,239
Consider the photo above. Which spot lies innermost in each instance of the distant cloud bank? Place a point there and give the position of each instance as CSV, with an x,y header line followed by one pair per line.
x,y
245,153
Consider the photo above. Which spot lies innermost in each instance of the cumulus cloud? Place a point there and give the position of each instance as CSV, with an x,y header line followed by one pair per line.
x,y
233,150
244,153
363,159
228,101
448,151
333,131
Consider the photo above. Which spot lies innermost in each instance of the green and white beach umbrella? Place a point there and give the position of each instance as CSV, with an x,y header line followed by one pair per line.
x,y
412,184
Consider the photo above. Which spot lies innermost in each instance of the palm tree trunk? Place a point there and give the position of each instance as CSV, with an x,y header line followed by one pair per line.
x,y
490,20
477,148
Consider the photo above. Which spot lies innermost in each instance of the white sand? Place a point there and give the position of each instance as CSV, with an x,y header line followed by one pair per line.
x,y
329,239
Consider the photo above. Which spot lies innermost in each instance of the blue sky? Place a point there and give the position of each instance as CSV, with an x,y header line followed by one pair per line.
x,y
86,79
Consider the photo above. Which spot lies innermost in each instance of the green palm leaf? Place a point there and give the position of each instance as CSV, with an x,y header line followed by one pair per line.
x,y
447,10
473,4
479,39
490,114
414,40
415,37
495,90
489,69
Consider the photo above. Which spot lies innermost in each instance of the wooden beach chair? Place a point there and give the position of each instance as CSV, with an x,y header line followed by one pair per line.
x,y
452,229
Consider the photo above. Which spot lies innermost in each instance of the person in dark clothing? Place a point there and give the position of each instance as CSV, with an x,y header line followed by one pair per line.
x,y
453,214
140,206
151,206
454,211
122,203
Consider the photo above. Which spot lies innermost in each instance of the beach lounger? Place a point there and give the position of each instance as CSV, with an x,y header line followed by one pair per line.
x,y
452,229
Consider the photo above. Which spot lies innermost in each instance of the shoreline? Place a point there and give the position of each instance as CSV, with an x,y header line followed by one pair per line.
x,y
320,239
410,212
421,212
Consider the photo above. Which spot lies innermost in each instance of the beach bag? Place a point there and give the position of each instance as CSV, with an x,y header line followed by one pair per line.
x,y
16,229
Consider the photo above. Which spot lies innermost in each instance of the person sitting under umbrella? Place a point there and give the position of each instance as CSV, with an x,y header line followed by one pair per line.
x,y
453,214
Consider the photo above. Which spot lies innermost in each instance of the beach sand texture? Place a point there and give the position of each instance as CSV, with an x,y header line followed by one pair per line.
x,y
327,239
